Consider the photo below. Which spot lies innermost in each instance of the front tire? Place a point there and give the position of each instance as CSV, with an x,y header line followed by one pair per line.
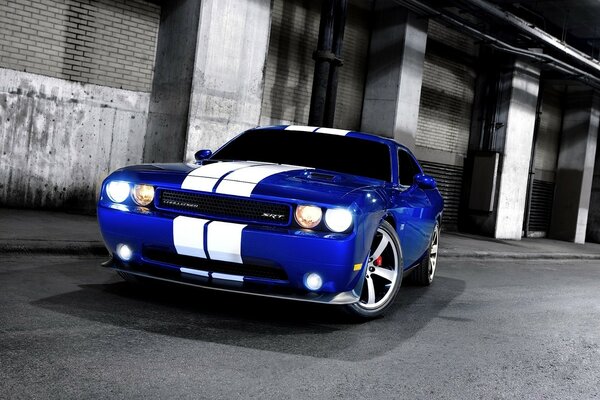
x,y
383,275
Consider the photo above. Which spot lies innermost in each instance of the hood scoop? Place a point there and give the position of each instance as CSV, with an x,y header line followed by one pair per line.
x,y
320,176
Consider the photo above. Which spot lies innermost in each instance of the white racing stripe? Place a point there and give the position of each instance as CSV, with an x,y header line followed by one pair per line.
x,y
243,181
227,277
188,236
218,169
301,128
194,272
332,131
224,241
235,188
200,184
329,131
204,178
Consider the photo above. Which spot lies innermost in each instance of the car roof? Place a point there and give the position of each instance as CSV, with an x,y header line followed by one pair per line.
x,y
333,131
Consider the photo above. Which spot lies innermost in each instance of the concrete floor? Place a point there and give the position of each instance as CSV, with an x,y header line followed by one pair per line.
x,y
519,329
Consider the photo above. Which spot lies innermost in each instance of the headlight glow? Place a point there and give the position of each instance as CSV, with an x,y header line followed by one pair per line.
x,y
308,216
338,219
118,191
143,194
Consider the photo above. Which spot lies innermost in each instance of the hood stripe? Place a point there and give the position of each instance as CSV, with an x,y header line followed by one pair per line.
x,y
214,189
200,184
206,177
218,169
243,181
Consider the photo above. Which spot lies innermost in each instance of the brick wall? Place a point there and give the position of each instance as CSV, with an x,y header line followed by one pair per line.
x,y
104,42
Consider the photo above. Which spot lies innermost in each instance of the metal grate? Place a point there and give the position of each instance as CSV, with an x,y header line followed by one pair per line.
x,y
449,180
257,271
211,205
542,195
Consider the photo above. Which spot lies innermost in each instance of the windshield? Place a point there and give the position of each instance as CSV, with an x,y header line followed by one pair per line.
x,y
317,150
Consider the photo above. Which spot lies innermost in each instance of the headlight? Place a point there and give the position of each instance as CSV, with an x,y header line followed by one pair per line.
x,y
308,216
118,191
338,219
143,194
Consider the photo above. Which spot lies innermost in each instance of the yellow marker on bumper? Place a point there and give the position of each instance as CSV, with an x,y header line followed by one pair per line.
x,y
357,267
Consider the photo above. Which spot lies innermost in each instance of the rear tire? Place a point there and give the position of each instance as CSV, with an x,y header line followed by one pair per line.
x,y
382,277
423,274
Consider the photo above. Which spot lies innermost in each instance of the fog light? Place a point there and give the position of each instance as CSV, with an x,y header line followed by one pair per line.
x,y
124,252
313,281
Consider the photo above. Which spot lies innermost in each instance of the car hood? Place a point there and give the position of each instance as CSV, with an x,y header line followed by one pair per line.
x,y
315,185
253,179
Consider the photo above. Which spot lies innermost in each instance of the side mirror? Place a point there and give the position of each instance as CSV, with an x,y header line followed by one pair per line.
x,y
425,181
202,155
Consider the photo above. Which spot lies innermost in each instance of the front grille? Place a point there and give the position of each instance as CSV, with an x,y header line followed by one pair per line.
x,y
257,271
213,205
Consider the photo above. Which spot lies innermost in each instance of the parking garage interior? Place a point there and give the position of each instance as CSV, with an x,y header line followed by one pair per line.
x,y
497,99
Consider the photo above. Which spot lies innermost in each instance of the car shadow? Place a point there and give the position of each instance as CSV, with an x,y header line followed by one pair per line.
x,y
255,322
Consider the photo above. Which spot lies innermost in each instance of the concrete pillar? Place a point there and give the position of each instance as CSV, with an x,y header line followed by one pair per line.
x,y
173,72
516,117
593,228
229,68
395,73
575,169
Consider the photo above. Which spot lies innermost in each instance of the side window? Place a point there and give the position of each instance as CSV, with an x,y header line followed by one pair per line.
x,y
407,168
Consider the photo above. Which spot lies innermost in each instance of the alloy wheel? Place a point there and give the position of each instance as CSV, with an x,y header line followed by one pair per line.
x,y
382,272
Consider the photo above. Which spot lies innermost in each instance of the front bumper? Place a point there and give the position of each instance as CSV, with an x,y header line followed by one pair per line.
x,y
287,255
224,285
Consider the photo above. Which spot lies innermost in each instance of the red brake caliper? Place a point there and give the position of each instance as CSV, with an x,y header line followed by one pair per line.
x,y
378,261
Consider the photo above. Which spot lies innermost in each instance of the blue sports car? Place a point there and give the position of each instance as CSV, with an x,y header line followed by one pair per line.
x,y
295,212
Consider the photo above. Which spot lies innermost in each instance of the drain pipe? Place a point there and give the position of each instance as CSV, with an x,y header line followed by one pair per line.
x,y
532,30
536,131
574,72
323,57
341,9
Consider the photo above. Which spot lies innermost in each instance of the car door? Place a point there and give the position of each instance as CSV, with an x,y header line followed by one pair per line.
x,y
412,210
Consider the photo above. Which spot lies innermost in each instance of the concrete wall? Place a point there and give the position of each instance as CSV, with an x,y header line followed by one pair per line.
x,y
593,226
59,139
575,168
228,77
395,73
105,42
517,134
170,101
